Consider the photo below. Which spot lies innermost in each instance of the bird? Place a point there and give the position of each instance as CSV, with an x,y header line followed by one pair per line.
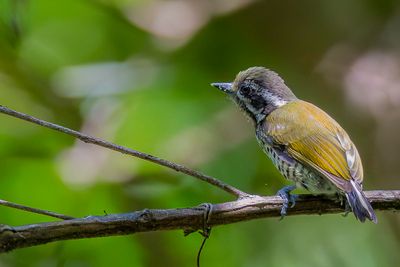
x,y
305,144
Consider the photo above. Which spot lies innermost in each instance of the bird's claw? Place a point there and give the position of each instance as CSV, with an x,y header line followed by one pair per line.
x,y
293,198
289,200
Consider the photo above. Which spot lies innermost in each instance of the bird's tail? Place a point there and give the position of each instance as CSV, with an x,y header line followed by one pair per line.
x,y
359,204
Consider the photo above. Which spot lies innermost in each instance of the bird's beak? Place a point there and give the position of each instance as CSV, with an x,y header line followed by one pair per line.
x,y
224,87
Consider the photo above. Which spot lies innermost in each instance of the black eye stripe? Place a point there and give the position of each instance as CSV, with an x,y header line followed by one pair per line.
x,y
258,103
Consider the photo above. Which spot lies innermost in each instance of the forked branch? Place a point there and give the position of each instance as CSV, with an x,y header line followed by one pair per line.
x,y
188,219
103,143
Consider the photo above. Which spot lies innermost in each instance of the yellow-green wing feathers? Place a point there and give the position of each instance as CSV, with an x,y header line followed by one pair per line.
x,y
312,137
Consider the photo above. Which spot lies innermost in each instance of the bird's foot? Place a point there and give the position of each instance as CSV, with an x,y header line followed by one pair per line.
x,y
288,199
340,198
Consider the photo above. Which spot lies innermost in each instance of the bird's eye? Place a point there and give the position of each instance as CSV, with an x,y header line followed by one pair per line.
x,y
245,90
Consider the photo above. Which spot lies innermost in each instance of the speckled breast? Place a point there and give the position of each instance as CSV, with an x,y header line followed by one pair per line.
x,y
293,170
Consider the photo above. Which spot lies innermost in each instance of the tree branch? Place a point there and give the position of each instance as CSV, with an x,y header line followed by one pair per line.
x,y
100,142
35,210
188,219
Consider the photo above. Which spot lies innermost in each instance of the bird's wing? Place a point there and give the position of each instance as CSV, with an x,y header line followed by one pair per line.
x,y
315,139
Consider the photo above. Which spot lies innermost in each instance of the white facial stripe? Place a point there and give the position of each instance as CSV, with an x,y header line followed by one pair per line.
x,y
258,113
277,101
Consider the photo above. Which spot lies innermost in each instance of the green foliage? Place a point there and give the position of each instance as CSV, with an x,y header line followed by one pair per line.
x,y
95,66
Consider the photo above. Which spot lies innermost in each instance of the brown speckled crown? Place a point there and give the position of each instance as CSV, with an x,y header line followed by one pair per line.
x,y
267,79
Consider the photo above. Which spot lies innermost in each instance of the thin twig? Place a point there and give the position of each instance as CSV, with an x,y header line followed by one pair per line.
x,y
100,142
200,250
35,210
188,219
206,231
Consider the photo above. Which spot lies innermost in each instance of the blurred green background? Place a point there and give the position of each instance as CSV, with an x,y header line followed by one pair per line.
x,y
137,73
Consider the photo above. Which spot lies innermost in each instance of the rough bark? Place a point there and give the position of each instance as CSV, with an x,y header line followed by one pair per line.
x,y
188,219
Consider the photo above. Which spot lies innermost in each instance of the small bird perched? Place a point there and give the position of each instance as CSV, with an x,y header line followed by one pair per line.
x,y
306,145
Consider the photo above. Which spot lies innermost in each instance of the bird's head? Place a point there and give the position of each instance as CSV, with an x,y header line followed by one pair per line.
x,y
258,91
